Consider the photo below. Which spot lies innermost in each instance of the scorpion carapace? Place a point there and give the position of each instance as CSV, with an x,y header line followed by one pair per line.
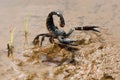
x,y
59,34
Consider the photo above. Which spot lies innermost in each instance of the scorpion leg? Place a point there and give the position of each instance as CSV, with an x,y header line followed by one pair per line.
x,y
87,28
42,39
36,39
51,39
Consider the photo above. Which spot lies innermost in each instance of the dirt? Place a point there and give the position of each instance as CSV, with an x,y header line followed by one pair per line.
x,y
98,54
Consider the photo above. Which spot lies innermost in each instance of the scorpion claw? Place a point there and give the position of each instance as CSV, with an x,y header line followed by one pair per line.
x,y
88,28
91,28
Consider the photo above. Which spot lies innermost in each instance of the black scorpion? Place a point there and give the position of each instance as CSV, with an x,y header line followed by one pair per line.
x,y
59,34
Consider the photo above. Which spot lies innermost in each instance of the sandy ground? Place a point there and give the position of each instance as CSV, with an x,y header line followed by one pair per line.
x,y
76,13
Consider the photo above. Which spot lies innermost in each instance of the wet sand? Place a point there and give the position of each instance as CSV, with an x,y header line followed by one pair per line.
x,y
76,13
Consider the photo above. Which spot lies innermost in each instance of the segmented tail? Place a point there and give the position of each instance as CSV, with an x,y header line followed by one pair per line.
x,y
50,23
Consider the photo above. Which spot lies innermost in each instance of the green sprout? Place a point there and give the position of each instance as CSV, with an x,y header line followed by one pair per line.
x,y
11,36
26,23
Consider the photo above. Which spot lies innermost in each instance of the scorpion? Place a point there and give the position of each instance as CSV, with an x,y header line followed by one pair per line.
x,y
59,34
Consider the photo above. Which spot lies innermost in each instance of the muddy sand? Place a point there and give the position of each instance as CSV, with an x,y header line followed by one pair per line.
x,y
98,54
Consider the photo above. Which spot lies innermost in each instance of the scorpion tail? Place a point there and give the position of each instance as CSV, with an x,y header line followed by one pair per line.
x,y
50,22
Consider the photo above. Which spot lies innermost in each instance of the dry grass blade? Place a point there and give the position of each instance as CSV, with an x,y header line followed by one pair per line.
x,y
26,23
10,44
25,29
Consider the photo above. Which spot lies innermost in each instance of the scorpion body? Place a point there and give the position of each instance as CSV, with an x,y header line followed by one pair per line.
x,y
59,34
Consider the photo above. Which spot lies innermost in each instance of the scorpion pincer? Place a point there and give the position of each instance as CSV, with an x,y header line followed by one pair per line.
x,y
59,34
